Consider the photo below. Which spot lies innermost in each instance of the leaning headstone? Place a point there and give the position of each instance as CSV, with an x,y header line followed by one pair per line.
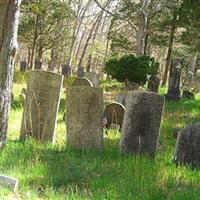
x,y
187,151
174,80
84,117
23,66
141,125
93,77
153,84
41,105
114,113
80,72
66,70
38,64
7,181
121,98
82,82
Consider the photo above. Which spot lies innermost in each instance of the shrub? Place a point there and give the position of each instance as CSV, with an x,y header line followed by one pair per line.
x,y
131,67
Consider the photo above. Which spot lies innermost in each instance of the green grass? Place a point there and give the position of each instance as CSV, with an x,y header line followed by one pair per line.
x,y
58,172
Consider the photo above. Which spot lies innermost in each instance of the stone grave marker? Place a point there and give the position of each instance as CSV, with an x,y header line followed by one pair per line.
x,y
93,77
38,64
80,72
141,125
174,80
187,151
7,181
23,66
121,98
84,117
114,113
82,82
41,105
66,70
153,84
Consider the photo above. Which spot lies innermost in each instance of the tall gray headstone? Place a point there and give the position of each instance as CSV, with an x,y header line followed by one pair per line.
x,y
41,105
174,80
84,107
187,150
141,125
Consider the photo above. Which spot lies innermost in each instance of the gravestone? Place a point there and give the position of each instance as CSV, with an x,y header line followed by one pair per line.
x,y
7,181
114,113
93,77
84,117
187,151
153,84
174,80
188,95
121,98
41,105
38,64
66,70
131,85
82,82
141,125
23,66
80,72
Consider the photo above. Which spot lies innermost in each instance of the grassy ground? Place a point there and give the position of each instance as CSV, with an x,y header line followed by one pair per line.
x,y
58,172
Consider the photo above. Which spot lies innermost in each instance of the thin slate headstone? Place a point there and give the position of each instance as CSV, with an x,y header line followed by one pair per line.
x,y
153,84
23,66
66,70
174,80
187,151
7,181
141,125
80,72
38,64
82,82
93,77
41,105
84,117
114,113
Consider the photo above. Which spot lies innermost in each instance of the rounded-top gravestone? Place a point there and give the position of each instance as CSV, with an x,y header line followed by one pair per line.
x,y
114,114
187,149
82,82
93,77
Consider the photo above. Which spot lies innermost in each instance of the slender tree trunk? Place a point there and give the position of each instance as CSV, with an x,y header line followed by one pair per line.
x,y
170,48
9,15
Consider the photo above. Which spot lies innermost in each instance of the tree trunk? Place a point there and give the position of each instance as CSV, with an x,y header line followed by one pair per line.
x,y
9,15
170,48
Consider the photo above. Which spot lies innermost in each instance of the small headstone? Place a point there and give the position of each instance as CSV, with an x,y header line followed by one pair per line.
x,y
23,66
84,117
187,151
82,82
66,70
121,98
114,113
38,64
174,80
93,77
153,84
187,94
80,72
141,125
131,85
7,181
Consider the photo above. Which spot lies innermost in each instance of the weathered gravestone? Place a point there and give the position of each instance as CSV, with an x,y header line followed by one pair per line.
x,y
174,80
114,114
84,117
93,77
153,84
131,85
7,181
23,66
141,125
82,82
80,72
41,105
121,98
66,70
38,64
187,149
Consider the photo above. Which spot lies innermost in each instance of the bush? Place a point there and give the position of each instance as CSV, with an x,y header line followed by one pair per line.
x,y
131,67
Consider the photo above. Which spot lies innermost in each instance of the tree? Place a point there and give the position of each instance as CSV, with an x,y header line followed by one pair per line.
x,y
9,16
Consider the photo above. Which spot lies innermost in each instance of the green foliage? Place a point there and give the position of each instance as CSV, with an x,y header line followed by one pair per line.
x,y
131,67
19,77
